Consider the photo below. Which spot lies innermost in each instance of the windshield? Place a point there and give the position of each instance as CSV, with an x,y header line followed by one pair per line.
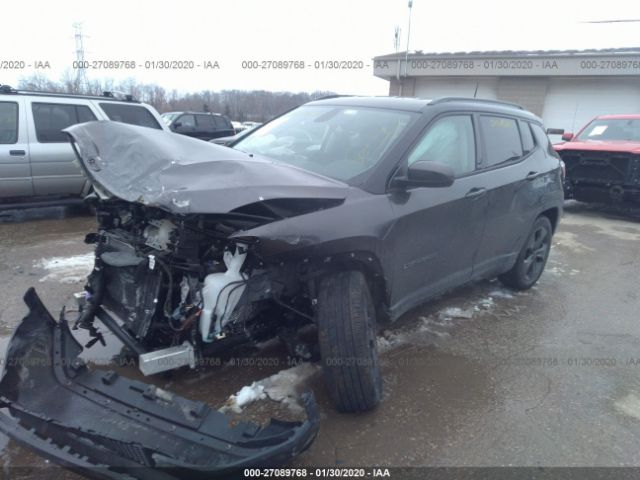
x,y
612,129
338,142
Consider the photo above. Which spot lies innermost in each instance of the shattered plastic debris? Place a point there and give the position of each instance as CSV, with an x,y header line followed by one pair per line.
x,y
67,270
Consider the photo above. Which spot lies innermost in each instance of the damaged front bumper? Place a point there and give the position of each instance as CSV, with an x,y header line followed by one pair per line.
x,y
107,426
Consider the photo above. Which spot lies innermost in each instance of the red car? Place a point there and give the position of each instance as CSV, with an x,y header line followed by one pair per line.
x,y
603,160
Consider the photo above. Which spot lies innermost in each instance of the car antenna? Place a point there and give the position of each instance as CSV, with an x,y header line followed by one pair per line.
x,y
476,91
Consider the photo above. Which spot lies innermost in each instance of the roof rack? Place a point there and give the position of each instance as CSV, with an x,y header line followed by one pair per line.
x,y
468,99
122,97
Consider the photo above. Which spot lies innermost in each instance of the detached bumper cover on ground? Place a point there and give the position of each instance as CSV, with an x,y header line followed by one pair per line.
x,y
107,426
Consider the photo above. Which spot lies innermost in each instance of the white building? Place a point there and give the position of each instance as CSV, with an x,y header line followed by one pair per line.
x,y
565,88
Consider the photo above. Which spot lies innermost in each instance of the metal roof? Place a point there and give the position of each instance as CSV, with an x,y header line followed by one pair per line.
x,y
512,53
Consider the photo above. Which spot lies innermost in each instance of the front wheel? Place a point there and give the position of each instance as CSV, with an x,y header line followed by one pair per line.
x,y
347,338
532,258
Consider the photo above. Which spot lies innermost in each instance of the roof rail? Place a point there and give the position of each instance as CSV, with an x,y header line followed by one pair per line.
x,y
469,99
120,97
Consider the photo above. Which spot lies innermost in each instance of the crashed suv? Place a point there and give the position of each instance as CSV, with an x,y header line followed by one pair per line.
x,y
603,160
336,216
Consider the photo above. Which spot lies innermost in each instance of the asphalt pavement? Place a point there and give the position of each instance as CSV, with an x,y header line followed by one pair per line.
x,y
483,376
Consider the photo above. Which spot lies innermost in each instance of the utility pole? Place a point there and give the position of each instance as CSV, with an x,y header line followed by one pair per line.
x,y
81,73
396,46
406,54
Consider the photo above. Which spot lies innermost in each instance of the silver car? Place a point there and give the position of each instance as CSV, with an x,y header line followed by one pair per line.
x,y
36,158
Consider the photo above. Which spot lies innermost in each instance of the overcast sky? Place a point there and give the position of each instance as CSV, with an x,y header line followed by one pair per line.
x,y
308,30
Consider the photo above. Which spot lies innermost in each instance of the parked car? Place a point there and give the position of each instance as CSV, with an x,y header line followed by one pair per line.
x,y
233,138
204,126
337,215
238,127
251,124
603,160
37,163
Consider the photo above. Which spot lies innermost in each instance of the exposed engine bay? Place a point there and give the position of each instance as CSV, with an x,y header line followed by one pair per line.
x,y
175,288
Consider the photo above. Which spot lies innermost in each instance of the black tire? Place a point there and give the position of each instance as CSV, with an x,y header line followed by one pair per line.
x,y
532,258
347,337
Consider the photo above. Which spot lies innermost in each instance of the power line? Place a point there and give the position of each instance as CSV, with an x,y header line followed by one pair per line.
x,y
614,21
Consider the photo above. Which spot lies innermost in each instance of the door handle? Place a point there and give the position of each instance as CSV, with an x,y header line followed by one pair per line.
x,y
532,175
17,153
476,192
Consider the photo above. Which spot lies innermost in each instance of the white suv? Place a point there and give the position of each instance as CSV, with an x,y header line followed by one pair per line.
x,y
36,158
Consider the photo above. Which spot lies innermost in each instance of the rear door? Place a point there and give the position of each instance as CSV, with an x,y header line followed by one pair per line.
x,y
185,125
15,171
512,163
53,166
438,230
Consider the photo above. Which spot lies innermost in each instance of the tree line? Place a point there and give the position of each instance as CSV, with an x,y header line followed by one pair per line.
x,y
240,105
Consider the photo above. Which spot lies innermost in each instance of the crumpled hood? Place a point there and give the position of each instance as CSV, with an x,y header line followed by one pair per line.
x,y
186,175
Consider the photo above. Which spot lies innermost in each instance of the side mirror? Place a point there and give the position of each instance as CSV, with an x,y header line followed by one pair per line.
x,y
177,124
426,174
567,137
555,131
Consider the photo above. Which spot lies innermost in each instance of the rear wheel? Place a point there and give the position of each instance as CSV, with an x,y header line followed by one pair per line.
x,y
347,338
532,258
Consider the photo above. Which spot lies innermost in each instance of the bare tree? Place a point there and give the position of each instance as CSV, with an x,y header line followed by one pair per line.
x,y
241,105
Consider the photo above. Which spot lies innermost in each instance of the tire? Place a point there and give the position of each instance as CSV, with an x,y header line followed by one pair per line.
x,y
532,258
347,338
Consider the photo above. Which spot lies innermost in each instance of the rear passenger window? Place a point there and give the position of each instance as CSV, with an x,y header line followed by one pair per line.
x,y
131,114
8,122
501,139
51,118
527,138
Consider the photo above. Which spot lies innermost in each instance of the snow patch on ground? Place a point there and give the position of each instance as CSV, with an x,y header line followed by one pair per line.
x,y
629,405
283,386
500,293
67,270
436,326
571,241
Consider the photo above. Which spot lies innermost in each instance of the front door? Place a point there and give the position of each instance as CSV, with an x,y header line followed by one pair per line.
x,y
438,230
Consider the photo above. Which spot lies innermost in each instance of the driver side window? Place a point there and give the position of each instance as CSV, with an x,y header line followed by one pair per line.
x,y
450,141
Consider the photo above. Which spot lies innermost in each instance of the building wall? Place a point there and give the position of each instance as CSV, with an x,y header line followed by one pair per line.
x,y
530,92
431,87
562,102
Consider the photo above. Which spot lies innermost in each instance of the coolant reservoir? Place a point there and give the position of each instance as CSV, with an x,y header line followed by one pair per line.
x,y
221,293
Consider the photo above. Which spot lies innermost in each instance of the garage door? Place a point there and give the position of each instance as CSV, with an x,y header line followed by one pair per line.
x,y
456,87
571,103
